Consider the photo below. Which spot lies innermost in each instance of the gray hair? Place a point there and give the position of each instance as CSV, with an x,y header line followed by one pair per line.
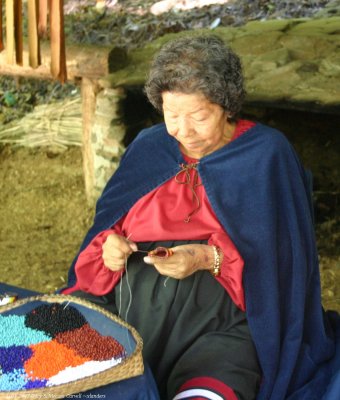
x,y
193,64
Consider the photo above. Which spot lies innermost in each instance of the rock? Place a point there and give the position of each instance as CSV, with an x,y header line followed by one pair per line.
x,y
330,66
332,9
279,57
117,59
283,60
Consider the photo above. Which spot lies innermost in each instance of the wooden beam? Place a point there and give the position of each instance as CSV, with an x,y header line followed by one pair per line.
x,y
89,89
82,61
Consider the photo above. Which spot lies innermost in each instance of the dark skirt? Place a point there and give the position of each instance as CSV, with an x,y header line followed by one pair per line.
x,y
190,327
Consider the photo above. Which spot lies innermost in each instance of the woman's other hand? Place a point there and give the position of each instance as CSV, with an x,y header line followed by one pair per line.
x,y
116,250
184,261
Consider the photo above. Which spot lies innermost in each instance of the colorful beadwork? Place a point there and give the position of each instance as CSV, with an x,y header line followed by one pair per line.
x,y
14,357
51,345
27,336
88,343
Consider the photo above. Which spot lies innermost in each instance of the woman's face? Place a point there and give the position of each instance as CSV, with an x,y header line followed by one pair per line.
x,y
200,126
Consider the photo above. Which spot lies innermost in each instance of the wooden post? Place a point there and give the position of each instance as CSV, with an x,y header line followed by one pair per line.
x,y
89,90
18,32
58,61
33,37
10,31
42,23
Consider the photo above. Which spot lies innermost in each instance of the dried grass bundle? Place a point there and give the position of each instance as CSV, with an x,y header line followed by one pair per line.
x,y
56,124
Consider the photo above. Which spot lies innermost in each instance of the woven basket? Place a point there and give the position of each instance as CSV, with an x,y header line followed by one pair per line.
x,y
131,366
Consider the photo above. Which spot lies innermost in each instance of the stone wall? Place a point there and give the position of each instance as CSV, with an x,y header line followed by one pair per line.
x,y
107,136
296,62
287,63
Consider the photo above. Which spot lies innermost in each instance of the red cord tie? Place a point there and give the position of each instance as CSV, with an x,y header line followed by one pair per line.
x,y
185,171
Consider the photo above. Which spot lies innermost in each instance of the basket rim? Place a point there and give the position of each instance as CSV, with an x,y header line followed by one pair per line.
x,y
130,366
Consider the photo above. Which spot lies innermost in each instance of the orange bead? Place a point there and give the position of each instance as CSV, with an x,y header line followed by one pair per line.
x,y
49,358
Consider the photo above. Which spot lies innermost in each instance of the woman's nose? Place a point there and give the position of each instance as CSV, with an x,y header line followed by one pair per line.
x,y
184,128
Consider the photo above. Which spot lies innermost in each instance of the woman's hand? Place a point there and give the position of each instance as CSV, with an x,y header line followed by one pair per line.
x,y
116,250
184,261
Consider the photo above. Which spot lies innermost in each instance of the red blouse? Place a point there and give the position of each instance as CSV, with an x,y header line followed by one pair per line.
x,y
160,215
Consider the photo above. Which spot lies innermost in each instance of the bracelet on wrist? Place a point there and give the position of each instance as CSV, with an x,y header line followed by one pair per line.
x,y
216,269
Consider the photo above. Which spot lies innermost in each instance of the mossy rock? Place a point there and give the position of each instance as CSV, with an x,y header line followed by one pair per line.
x,y
281,25
134,73
328,26
256,44
330,66
278,56
277,62
307,47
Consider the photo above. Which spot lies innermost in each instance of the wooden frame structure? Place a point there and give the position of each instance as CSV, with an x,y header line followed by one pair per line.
x,y
45,19
46,59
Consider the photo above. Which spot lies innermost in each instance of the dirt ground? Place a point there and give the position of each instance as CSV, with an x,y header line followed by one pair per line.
x,y
44,215
44,212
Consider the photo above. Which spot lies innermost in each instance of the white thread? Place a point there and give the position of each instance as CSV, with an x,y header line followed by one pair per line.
x,y
66,304
130,298
166,280
129,304
129,287
121,284
120,295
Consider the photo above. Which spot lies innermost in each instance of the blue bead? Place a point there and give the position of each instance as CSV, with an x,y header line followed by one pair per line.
x,y
36,384
14,357
11,325
13,381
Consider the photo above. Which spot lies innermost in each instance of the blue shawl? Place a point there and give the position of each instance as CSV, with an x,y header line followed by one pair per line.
x,y
261,195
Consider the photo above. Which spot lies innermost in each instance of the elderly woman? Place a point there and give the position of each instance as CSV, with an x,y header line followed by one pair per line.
x,y
230,307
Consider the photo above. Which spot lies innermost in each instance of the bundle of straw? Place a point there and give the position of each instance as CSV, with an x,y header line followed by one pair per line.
x,y
56,124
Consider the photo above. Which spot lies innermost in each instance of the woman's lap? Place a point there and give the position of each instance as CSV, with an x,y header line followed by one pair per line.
x,y
226,357
190,328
